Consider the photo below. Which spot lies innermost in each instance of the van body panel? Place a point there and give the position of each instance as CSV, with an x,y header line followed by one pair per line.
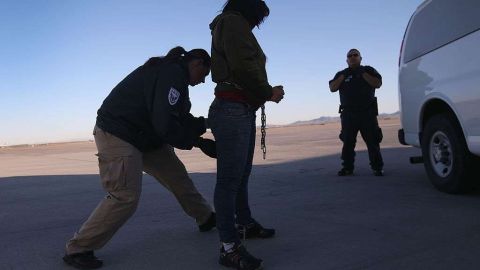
x,y
450,73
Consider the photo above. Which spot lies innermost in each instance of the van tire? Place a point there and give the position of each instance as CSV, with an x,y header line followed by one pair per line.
x,y
445,154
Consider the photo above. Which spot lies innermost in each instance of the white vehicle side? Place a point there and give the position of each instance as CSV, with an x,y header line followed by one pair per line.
x,y
439,76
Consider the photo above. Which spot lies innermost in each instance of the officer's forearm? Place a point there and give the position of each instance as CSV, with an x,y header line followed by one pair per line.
x,y
373,81
335,85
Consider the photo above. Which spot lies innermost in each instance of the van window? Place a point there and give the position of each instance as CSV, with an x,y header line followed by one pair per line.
x,y
441,22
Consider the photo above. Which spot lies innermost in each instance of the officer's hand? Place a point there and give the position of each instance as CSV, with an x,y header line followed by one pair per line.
x,y
360,71
207,146
207,123
342,75
277,94
195,126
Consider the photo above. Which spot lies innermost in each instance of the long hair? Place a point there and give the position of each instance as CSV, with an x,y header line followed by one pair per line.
x,y
255,11
180,55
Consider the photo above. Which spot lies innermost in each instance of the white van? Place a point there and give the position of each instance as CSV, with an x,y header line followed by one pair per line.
x,y
439,90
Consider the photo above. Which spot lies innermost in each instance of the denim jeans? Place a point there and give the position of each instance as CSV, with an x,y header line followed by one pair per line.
x,y
233,126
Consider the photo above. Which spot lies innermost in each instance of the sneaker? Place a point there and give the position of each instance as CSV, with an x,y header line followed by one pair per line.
x,y
209,224
84,260
239,258
378,172
345,172
255,230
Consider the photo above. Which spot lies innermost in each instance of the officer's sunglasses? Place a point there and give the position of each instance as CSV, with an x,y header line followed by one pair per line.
x,y
352,55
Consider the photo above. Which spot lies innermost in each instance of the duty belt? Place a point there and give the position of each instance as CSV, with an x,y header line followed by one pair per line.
x,y
358,108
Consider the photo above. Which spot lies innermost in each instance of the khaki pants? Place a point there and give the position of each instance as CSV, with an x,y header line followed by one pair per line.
x,y
121,166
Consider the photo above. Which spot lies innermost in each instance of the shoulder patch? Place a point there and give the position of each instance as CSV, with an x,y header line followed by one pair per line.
x,y
173,96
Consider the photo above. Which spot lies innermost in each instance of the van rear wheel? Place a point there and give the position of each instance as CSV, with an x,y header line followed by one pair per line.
x,y
445,154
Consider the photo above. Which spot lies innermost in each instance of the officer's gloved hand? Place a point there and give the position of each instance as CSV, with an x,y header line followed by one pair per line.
x,y
359,71
207,146
197,125
207,123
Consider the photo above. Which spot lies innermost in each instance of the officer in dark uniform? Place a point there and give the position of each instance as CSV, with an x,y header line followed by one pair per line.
x,y
358,112
138,124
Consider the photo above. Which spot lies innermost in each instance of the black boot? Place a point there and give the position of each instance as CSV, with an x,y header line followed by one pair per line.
x,y
255,230
84,260
209,224
378,172
345,172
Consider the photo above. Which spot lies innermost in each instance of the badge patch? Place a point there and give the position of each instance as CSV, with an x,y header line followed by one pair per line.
x,y
173,96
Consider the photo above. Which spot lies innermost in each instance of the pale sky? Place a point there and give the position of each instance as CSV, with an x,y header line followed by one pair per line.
x,y
60,59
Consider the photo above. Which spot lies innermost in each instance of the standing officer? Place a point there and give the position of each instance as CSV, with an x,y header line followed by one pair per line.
x,y
358,112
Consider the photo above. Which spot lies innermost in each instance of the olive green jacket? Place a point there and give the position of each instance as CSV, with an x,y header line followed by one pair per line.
x,y
238,61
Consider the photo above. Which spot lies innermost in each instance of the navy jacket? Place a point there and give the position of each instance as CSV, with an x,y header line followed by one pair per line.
x,y
150,107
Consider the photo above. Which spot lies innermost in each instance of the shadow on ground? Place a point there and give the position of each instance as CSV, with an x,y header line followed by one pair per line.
x,y
323,221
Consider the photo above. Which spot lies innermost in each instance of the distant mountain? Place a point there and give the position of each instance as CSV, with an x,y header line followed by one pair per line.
x,y
389,115
330,119
318,121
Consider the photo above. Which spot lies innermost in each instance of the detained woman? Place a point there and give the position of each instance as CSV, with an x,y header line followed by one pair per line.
x,y
238,69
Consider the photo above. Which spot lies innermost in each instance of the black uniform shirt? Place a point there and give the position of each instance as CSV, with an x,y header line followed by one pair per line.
x,y
355,92
151,107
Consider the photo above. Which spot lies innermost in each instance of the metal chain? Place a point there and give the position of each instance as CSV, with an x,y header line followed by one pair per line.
x,y
264,132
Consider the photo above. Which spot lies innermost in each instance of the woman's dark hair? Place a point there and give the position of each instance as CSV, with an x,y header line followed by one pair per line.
x,y
179,54
255,11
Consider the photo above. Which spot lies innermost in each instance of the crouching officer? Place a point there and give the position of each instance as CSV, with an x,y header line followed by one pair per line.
x,y
138,124
358,112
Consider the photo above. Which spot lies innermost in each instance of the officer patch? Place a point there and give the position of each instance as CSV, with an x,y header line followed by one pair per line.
x,y
173,96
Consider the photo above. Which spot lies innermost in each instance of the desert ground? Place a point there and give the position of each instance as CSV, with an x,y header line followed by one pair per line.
x,y
323,221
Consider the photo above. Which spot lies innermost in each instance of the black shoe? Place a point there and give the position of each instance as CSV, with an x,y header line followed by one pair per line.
x,y
378,172
345,172
254,230
209,224
84,260
239,258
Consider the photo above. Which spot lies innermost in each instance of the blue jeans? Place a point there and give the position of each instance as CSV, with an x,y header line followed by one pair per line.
x,y
233,126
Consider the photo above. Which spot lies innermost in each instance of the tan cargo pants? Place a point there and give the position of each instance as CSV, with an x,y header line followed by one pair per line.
x,y
121,166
